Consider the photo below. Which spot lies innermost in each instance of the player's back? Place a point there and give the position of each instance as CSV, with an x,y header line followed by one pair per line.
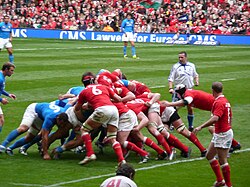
x,y
76,90
120,181
201,99
48,110
96,95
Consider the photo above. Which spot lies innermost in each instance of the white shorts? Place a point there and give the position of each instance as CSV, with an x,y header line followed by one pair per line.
x,y
29,115
5,43
36,126
155,107
130,37
1,111
167,113
106,115
127,121
72,117
223,140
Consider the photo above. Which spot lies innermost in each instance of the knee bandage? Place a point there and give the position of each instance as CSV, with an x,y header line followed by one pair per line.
x,y
180,128
111,135
86,127
160,128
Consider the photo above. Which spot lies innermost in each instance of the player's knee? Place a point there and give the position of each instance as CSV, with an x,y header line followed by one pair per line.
x,y
181,128
160,128
86,127
111,136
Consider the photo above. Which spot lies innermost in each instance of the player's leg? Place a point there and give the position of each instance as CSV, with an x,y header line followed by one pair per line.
x,y
1,120
180,128
210,156
133,49
11,56
125,45
190,118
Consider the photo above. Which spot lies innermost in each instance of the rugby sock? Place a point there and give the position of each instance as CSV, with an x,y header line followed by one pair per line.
x,y
234,143
174,141
1,127
133,147
139,144
193,138
125,50
190,120
133,50
35,140
226,173
118,151
88,143
153,145
71,136
11,58
160,138
216,168
18,143
13,134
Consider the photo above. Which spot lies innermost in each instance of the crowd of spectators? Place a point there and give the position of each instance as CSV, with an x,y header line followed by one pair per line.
x,y
199,16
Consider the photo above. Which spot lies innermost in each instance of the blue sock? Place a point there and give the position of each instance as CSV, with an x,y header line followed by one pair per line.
x,y
18,143
12,135
133,50
71,136
11,58
190,120
35,140
1,127
125,50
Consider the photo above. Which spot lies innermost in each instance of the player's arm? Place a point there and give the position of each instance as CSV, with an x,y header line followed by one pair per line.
x,y
208,123
10,40
154,97
143,121
196,77
170,81
123,26
45,140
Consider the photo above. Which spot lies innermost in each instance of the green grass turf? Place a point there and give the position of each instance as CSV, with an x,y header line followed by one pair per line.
x,y
46,68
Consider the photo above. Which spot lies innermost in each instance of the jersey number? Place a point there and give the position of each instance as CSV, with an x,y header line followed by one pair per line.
x,y
96,91
55,108
114,183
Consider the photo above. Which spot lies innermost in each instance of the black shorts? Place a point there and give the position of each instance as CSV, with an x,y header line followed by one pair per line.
x,y
175,116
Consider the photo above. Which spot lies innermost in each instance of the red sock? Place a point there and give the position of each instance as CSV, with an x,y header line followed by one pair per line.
x,y
216,168
88,143
174,141
139,144
160,138
153,145
133,147
234,142
118,151
226,173
193,138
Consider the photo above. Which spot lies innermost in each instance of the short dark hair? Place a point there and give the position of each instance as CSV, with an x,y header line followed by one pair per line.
x,y
63,116
88,78
126,170
217,87
7,66
183,52
6,16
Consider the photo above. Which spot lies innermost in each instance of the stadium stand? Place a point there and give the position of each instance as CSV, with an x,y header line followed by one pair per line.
x,y
201,16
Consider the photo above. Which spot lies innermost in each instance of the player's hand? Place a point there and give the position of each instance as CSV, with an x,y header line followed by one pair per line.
x,y
60,97
167,104
4,101
12,96
196,130
148,103
46,157
171,90
197,84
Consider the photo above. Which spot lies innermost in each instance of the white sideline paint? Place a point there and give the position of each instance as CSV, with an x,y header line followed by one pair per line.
x,y
112,174
231,79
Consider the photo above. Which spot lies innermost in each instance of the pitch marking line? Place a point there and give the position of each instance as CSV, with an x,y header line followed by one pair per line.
x,y
230,79
112,174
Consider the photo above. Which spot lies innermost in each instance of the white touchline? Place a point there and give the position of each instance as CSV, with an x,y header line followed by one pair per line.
x,y
112,174
230,79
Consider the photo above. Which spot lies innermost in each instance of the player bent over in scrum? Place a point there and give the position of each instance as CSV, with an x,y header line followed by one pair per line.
x,y
105,113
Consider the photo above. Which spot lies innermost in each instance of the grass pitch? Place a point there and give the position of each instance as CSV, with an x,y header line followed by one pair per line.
x,y
46,68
